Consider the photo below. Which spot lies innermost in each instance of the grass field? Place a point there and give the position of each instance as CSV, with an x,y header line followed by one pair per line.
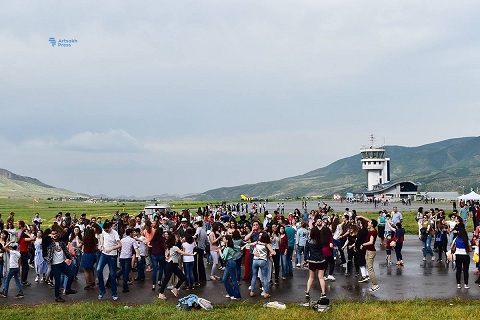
x,y
25,208
410,309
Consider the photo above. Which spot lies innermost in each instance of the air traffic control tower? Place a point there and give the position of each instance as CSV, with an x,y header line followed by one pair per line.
x,y
376,165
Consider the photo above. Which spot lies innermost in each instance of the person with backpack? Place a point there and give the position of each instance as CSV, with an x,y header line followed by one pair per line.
x,y
239,254
228,252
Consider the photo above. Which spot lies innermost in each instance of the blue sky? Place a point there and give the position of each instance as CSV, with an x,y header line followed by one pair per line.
x,y
184,96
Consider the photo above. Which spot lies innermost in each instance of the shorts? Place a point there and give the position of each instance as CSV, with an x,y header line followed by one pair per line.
x,y
317,266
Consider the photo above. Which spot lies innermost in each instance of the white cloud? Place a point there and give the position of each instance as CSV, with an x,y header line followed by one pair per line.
x,y
110,141
201,89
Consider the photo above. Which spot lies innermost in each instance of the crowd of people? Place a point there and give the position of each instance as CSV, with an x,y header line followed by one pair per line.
x,y
176,247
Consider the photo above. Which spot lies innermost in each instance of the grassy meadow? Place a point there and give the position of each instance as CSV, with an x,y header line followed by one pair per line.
x,y
25,209
410,309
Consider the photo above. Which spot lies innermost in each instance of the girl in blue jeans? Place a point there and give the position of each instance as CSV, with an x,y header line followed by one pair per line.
x,y
227,254
426,233
260,256
188,245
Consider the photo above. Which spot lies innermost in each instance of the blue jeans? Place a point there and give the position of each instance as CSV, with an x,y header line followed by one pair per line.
x,y
289,260
300,250
64,277
238,268
263,266
427,246
283,262
112,266
158,265
398,251
13,272
57,270
125,267
231,272
450,238
188,269
1,271
250,262
141,268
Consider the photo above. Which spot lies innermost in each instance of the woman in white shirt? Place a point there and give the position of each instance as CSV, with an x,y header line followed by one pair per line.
x,y
188,246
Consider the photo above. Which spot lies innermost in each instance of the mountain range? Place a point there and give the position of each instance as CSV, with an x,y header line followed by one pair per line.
x,y
439,166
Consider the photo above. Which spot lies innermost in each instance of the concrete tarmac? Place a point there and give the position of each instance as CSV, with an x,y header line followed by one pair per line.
x,y
416,279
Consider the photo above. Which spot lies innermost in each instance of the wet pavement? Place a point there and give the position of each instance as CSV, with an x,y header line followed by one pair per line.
x,y
416,279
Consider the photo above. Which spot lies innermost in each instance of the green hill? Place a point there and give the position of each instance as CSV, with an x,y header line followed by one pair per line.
x,y
15,186
440,166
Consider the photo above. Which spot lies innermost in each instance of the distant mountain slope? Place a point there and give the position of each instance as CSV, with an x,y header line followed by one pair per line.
x,y
439,166
16,186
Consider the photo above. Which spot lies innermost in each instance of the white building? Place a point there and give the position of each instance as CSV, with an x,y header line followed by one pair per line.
x,y
376,165
378,175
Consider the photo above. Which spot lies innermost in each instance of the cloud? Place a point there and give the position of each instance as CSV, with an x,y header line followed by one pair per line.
x,y
110,141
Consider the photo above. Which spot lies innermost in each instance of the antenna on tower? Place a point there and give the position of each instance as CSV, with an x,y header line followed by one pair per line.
x,y
372,140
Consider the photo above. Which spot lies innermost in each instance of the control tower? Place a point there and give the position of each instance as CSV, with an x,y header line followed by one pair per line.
x,y
376,165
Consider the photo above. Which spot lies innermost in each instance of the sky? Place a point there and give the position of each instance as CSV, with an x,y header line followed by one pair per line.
x,y
179,97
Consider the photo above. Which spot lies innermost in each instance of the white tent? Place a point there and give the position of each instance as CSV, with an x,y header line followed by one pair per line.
x,y
471,196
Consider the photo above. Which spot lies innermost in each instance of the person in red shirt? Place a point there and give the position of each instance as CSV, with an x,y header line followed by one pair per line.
x,y
24,240
477,214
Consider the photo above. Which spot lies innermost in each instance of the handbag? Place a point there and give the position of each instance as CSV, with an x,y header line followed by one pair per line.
x,y
454,246
71,249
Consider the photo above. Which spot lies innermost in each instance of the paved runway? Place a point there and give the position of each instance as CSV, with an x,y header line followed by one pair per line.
x,y
417,279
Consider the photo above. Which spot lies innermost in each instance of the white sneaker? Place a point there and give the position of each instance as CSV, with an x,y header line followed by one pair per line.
x,y
331,278
424,259
37,279
227,296
433,258
374,288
